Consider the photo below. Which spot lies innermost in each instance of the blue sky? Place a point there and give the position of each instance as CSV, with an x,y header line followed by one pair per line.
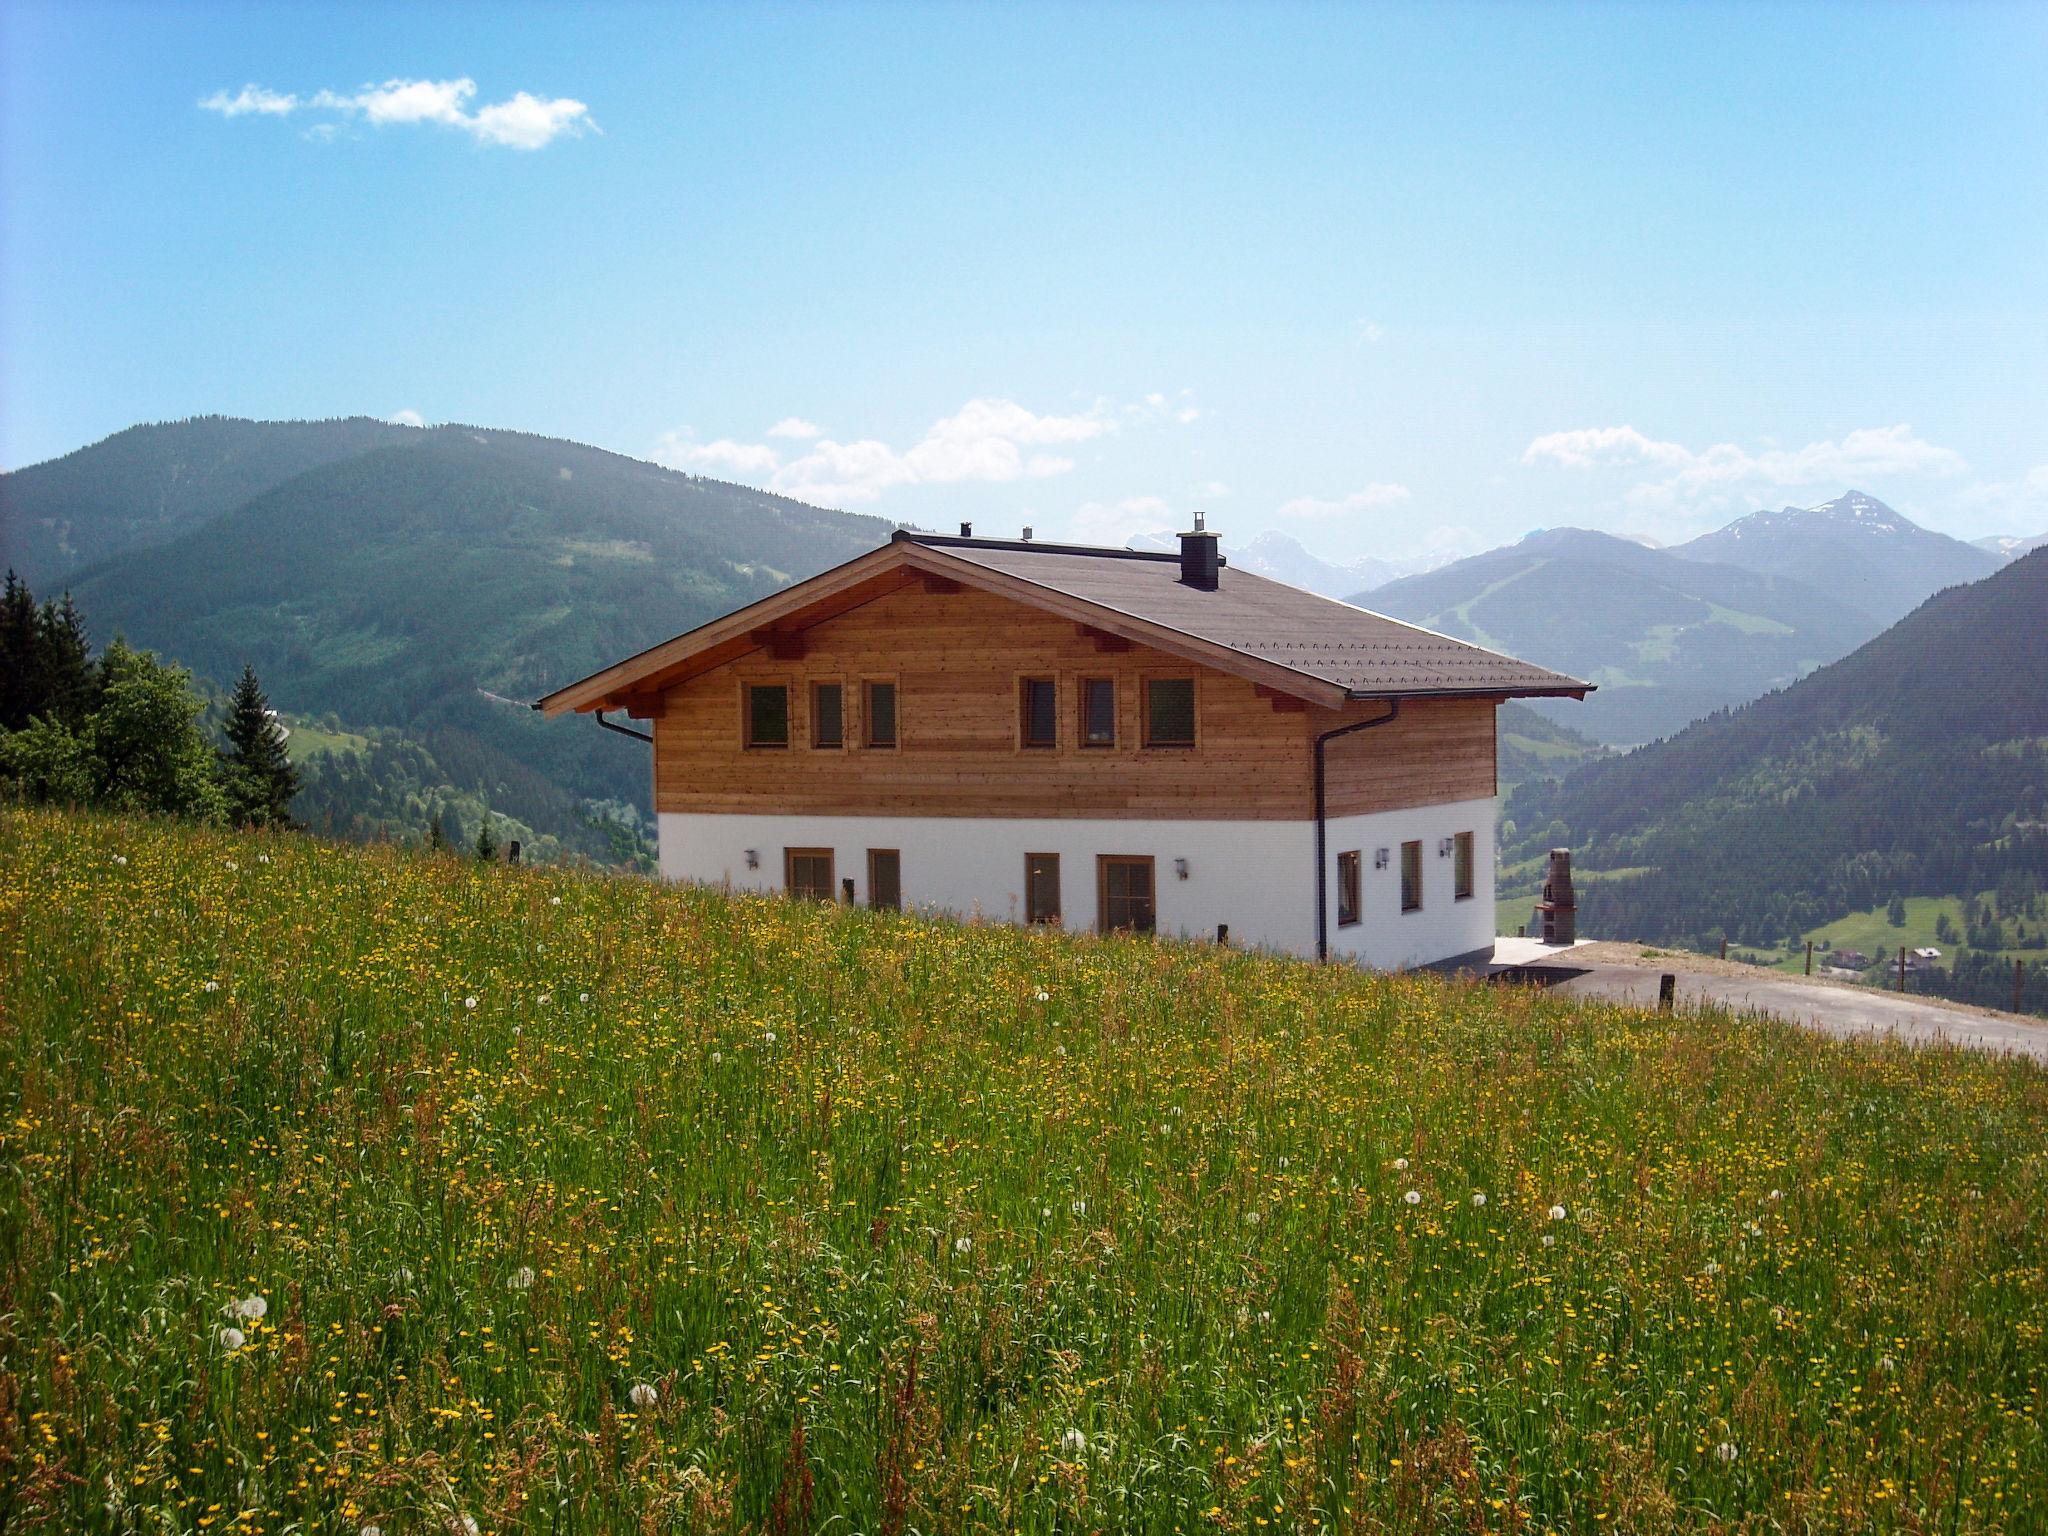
x,y
1388,279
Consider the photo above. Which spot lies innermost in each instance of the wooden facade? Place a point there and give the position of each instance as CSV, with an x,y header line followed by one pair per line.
x,y
959,657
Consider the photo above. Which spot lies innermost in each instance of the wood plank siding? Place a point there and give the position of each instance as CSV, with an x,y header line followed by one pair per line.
x,y
957,659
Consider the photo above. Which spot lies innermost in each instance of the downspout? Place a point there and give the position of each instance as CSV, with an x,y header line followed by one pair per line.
x,y
1322,834
623,730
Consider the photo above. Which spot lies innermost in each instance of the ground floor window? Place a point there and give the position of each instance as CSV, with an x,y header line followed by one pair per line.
x,y
1347,888
885,879
1124,893
1461,884
1411,876
1041,887
807,873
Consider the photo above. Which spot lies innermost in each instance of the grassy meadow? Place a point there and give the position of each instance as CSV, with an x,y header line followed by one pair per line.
x,y
350,1190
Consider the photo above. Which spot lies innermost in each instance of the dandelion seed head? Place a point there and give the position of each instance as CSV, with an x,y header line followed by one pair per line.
x,y
232,1339
769,1037
1557,1213
1549,1240
1400,1165
1073,1443
521,1279
1725,1451
582,997
1044,996
1413,1197
251,1309
1478,1197
469,1002
643,1395
212,986
962,1244
554,901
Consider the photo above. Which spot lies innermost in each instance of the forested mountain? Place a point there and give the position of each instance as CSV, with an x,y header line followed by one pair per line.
x,y
150,483
1917,766
1855,547
1667,639
425,587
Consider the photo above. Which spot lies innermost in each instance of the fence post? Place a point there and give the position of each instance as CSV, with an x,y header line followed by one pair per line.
x,y
1667,992
1724,949
1902,967
2019,976
1809,957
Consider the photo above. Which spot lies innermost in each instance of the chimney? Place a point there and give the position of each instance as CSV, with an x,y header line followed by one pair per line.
x,y
1198,561
967,530
1027,534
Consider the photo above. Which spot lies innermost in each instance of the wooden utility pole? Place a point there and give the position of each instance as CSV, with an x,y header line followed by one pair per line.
x,y
1724,949
1667,990
1902,967
1809,957
2019,976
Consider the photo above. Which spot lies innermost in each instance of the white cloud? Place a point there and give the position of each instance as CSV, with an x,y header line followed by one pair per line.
x,y
250,98
681,450
1215,490
406,418
521,121
1375,496
1869,453
1116,523
987,439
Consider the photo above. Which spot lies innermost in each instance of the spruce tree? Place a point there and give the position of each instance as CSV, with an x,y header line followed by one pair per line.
x,y
437,835
21,658
486,840
260,778
68,680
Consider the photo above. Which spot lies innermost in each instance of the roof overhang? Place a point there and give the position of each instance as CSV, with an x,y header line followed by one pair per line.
x,y
775,620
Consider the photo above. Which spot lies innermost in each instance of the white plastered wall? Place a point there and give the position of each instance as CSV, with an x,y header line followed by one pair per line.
x,y
1252,875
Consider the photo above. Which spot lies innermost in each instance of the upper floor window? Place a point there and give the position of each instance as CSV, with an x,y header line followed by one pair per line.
x,y
880,714
1169,712
767,716
1098,712
1461,884
828,715
1038,712
1411,876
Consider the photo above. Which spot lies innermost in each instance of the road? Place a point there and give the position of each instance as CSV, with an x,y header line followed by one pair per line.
x,y
1840,1011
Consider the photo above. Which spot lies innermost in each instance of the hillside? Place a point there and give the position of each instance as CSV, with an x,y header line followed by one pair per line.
x,y
1666,639
1917,765
1855,548
433,585
147,484
585,1203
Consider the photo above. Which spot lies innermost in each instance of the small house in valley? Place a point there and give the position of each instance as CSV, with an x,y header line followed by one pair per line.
x,y
1103,738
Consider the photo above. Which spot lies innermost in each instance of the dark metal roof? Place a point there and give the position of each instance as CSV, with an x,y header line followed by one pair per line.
x,y
1367,654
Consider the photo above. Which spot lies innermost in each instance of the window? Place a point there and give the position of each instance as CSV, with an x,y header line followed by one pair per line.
x,y
1098,712
807,873
1041,888
885,879
1124,894
1411,877
767,715
1347,888
1038,712
1461,885
828,715
881,714
1170,712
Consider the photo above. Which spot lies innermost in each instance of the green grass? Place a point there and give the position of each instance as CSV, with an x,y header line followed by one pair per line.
x,y
1871,931
912,1226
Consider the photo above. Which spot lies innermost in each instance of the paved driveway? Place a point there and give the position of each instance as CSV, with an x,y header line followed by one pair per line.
x,y
1838,1011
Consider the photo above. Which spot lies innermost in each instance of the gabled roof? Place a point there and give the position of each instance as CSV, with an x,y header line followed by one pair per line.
x,y
1295,642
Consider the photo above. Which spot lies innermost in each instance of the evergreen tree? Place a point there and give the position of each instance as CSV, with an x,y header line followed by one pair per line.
x,y
1895,914
486,840
21,686
66,675
256,770
437,835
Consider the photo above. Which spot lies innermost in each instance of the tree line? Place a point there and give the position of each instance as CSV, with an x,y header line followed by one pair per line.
x,y
122,730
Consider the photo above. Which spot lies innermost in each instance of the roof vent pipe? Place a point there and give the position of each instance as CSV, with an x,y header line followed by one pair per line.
x,y
1198,558
1027,533
967,530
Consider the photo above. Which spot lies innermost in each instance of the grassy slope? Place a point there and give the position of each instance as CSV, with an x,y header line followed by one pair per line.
x,y
913,1225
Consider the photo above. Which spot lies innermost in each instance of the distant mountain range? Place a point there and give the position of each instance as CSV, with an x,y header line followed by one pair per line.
x,y
1674,634
2008,546
1917,765
1282,557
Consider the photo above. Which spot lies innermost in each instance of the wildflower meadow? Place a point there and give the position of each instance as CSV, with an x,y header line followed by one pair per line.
x,y
370,1192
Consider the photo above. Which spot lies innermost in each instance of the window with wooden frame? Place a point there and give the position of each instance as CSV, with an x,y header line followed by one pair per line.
x,y
878,710
1411,877
1041,888
1038,712
828,715
1169,711
1348,881
885,879
1461,869
1123,893
807,873
1098,711
764,719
